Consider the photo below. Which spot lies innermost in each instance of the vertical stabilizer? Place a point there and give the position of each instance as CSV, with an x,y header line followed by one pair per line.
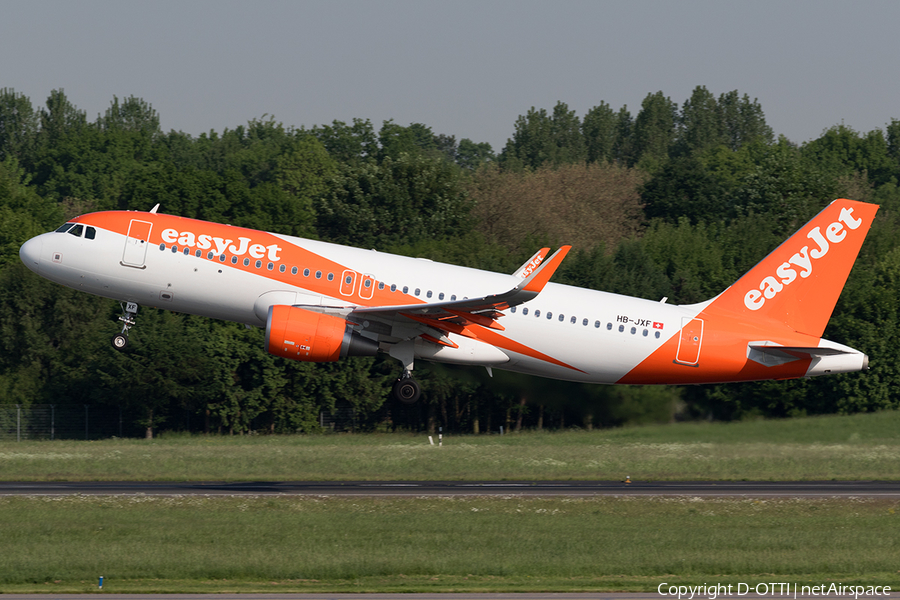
x,y
799,283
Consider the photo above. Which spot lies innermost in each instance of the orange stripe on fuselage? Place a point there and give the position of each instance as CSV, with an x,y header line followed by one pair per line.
x,y
289,255
723,353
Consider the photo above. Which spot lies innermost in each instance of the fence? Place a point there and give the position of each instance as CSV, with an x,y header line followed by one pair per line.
x,y
59,422
342,419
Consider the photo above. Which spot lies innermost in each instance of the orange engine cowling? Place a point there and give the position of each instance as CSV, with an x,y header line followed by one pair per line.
x,y
300,334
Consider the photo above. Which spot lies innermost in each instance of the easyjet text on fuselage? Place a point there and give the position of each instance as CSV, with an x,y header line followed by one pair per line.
x,y
221,245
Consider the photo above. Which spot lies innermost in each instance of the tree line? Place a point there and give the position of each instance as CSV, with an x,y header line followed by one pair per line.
x,y
677,201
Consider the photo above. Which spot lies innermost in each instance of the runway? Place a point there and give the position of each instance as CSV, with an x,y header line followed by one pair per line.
x,y
344,596
866,489
394,596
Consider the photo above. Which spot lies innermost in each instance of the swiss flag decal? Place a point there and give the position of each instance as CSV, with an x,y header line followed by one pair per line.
x,y
657,325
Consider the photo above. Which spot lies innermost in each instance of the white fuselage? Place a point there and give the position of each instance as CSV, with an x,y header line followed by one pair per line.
x,y
601,335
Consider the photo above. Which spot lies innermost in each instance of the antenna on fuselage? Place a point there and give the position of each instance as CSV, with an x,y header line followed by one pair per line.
x,y
154,209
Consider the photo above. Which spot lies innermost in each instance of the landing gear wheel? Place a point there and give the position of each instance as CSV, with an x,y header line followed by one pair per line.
x,y
406,390
120,340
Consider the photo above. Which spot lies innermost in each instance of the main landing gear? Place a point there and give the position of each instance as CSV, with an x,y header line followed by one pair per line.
x,y
406,389
120,340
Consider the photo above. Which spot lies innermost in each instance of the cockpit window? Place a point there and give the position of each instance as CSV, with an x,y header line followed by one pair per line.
x,y
78,230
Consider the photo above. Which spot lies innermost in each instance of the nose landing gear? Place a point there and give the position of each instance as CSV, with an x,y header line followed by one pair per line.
x,y
120,340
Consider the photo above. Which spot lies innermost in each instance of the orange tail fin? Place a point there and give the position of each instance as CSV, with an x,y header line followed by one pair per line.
x,y
798,284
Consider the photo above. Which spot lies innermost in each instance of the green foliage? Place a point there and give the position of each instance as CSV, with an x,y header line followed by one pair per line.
x,y
18,124
713,192
600,128
844,151
542,138
743,121
654,131
470,155
400,200
348,143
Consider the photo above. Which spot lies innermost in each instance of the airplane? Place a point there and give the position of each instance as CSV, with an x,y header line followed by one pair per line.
x,y
323,302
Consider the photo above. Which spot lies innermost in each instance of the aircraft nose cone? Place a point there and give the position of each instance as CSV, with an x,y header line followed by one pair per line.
x,y
30,253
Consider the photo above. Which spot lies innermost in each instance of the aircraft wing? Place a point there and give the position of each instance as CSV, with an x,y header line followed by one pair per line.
x,y
456,316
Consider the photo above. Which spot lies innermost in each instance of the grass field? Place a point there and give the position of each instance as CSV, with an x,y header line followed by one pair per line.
x,y
819,448
331,544
215,544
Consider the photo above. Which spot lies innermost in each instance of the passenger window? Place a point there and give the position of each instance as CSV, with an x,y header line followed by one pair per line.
x,y
331,277
318,274
573,320
282,269
428,294
306,272
270,266
368,283
222,257
405,289
657,335
186,251
174,248
380,285
418,291
621,328
258,264
645,333
348,280
393,287
585,322
441,296
525,311
209,255
453,298
293,270
549,315
597,324
537,313
163,247
234,260
90,232
609,326
633,330
198,253
246,262
563,318
76,231
512,309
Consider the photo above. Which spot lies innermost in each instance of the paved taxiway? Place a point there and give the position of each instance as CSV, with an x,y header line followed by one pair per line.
x,y
456,488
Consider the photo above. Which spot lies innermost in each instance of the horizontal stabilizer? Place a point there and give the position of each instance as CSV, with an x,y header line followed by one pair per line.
x,y
770,354
809,351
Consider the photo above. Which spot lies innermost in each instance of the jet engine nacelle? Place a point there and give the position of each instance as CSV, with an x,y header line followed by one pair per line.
x,y
300,334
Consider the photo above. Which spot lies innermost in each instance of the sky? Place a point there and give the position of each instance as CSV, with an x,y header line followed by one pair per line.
x,y
463,68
